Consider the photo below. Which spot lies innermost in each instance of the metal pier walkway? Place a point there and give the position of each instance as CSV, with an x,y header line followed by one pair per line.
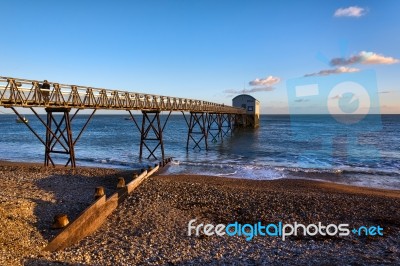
x,y
206,118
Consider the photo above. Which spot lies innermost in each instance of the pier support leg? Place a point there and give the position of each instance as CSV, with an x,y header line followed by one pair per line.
x,y
232,122
214,128
151,131
57,138
226,125
240,121
197,126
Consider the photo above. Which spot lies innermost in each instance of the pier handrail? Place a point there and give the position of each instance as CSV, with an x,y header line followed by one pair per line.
x,y
17,92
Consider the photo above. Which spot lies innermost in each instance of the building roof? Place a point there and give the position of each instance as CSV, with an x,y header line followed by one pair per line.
x,y
246,95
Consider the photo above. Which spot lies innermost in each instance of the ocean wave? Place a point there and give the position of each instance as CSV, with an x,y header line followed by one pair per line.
x,y
361,176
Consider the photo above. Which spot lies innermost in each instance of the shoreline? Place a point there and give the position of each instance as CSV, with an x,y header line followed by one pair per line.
x,y
341,184
150,226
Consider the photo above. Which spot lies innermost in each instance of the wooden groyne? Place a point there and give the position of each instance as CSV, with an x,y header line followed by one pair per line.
x,y
96,214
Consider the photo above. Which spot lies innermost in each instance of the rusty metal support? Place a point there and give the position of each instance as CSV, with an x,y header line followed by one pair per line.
x,y
84,126
30,128
60,98
219,126
151,132
58,136
72,118
214,128
226,125
234,122
240,120
197,126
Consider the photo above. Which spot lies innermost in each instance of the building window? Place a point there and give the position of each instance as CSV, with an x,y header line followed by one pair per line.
x,y
250,108
244,105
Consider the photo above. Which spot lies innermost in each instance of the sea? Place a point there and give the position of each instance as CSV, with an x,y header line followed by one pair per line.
x,y
317,147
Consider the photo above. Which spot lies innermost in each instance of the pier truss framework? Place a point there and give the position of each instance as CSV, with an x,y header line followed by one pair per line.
x,y
204,119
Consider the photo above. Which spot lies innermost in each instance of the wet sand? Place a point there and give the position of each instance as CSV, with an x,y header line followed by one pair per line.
x,y
150,227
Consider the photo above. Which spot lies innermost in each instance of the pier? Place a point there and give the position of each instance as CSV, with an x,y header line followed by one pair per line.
x,y
62,102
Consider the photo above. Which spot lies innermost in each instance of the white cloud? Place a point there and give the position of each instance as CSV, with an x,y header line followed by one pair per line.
x,y
365,58
338,70
351,11
373,58
268,81
263,84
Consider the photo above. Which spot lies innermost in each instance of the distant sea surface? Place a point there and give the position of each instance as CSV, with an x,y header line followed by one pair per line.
x,y
303,146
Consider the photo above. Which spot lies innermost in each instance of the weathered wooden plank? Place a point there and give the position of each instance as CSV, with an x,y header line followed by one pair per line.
x,y
136,182
84,225
95,215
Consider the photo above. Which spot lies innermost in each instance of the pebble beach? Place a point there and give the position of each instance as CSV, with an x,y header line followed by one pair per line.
x,y
151,226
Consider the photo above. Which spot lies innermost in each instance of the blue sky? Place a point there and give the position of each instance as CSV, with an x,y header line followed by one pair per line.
x,y
202,49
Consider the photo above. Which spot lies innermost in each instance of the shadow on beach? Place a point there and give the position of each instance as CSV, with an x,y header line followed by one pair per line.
x,y
71,194
45,262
